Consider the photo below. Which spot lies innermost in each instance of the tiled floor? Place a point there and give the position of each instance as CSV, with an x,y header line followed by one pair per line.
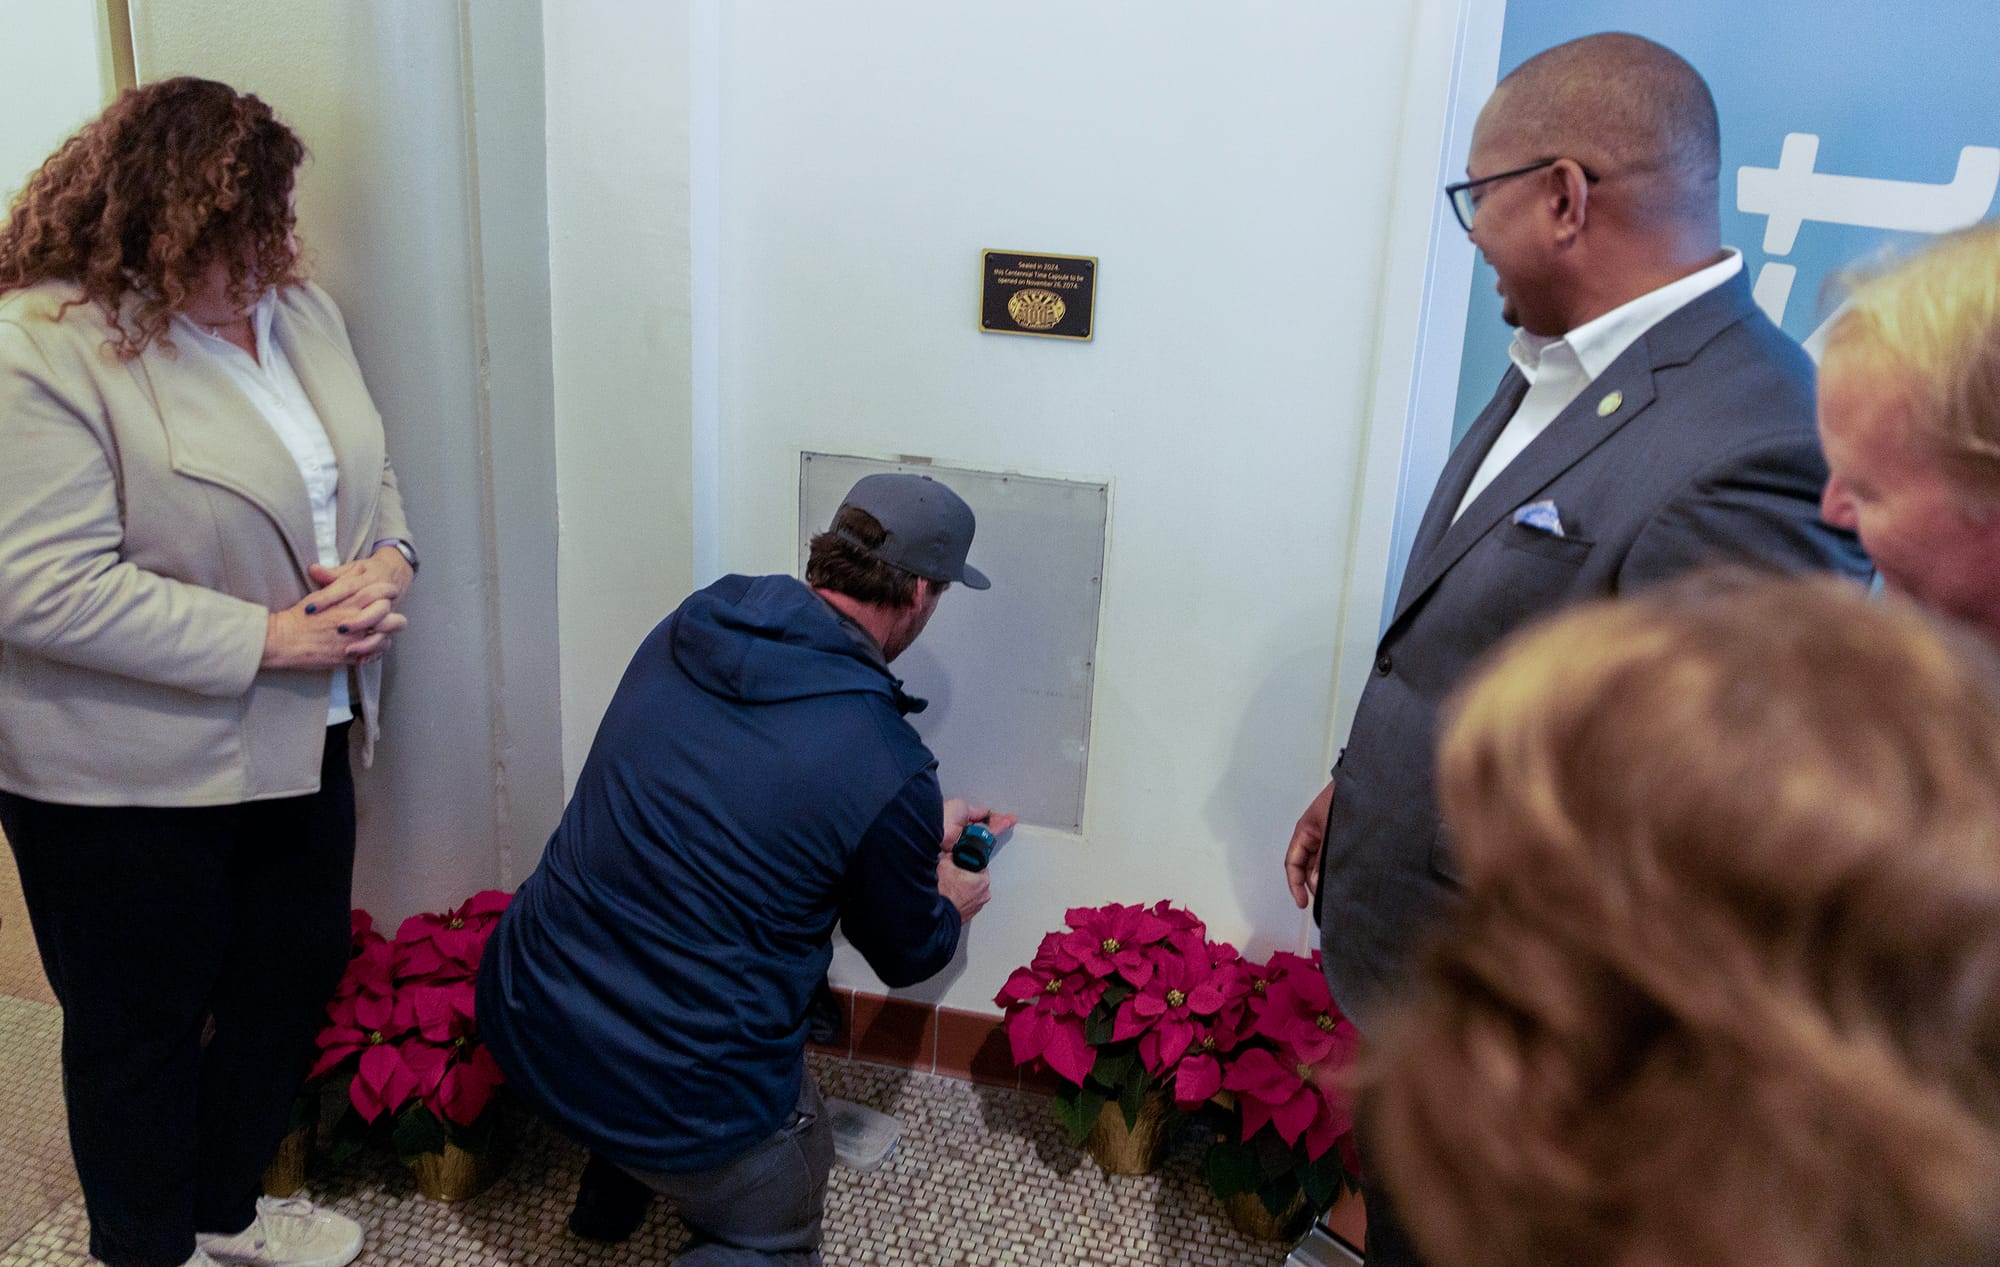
x,y
982,1177
36,1176
20,969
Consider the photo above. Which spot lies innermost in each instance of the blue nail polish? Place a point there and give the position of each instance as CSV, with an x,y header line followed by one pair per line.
x,y
311,608
342,629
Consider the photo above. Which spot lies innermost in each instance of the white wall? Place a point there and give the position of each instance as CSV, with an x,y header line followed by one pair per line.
x,y
620,203
1234,170
433,255
54,77
762,232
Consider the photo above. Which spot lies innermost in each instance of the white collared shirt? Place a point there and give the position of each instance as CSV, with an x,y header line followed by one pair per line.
x,y
1558,369
273,387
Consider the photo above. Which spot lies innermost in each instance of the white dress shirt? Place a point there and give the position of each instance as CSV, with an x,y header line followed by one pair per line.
x,y
1558,369
273,386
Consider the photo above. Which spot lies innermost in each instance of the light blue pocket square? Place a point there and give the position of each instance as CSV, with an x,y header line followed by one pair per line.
x,y
1542,516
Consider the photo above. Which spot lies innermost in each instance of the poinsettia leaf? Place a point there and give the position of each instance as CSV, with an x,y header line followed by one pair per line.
x,y
1350,1161
486,904
1100,1027
1148,928
346,1138
1065,1106
330,1060
1077,1111
419,928
1113,1067
1309,1043
1274,1155
1083,1000
1115,993
1130,1022
374,1011
1205,999
426,1064
1174,1037
1292,1116
1322,1133
467,1088
418,1131
1321,1181
1132,1096
434,1011
1068,1054
461,948
1197,1079
1028,1033
1024,986
382,1083
1045,954
1277,1196
477,1136
1257,1075
1231,1169
1256,1115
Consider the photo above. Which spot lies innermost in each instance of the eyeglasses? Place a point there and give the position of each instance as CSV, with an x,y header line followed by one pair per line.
x,y
1465,206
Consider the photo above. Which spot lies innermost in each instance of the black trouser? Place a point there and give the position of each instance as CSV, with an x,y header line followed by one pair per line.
x,y
149,923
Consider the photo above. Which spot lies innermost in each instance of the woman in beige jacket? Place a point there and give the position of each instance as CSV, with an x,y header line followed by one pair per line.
x,y
202,552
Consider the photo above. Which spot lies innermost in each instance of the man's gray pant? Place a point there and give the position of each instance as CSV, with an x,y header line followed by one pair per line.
x,y
764,1207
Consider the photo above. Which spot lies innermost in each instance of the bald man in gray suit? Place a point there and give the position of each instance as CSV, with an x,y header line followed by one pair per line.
x,y
1654,421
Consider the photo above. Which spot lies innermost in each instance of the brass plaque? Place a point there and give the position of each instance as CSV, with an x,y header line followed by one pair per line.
x,y
1049,296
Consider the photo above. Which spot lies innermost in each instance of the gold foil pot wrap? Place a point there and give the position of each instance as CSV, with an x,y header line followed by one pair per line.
x,y
454,1174
1136,1150
1248,1216
287,1172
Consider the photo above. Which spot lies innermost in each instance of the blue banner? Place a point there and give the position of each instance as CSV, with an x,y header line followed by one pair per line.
x,y
1848,126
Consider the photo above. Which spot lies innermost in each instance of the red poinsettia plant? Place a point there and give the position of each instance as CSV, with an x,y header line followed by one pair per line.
x,y
402,1021
1126,1001
1112,1003
1283,1121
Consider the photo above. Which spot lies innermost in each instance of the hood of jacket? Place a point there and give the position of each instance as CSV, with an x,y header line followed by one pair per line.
x,y
764,639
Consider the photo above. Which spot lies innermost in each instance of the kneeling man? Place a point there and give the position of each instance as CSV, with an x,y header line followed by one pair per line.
x,y
753,783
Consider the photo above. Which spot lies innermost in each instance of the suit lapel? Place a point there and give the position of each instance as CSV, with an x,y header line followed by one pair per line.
x,y
216,435
1464,464
1575,432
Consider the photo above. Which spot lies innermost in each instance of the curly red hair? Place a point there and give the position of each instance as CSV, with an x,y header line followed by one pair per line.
x,y
135,207
1725,983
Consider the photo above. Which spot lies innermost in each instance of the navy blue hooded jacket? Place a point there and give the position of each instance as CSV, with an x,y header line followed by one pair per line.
x,y
753,781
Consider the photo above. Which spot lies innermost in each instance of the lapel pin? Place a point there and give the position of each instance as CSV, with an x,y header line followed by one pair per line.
x,y
1609,405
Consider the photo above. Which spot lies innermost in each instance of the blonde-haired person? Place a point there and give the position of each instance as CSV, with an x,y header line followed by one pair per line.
x,y
202,551
1909,413
1725,987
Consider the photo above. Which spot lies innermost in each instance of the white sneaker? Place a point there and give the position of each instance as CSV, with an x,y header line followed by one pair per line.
x,y
201,1259
290,1232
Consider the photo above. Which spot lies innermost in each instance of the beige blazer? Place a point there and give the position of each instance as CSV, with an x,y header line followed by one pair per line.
x,y
150,520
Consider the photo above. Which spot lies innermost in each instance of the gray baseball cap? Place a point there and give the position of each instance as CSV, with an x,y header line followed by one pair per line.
x,y
929,527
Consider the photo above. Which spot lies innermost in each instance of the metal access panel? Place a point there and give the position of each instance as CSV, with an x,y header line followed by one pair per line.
x,y
1007,670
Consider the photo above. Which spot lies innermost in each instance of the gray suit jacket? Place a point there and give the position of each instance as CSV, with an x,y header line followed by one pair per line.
x,y
1710,456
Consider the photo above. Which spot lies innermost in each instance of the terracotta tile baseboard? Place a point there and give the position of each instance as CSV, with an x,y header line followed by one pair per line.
x,y
906,1034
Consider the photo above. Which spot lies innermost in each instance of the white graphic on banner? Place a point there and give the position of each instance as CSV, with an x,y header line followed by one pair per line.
x,y
1793,193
